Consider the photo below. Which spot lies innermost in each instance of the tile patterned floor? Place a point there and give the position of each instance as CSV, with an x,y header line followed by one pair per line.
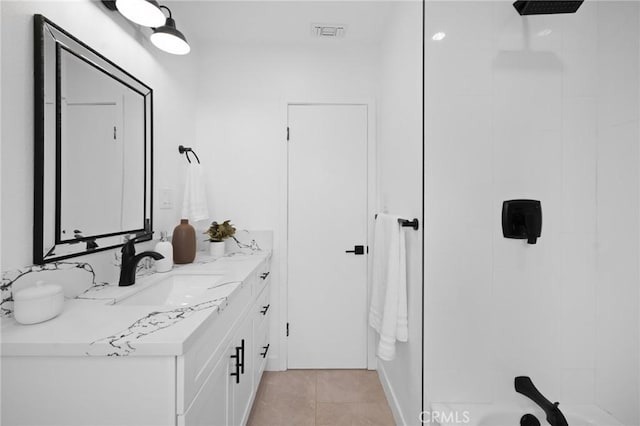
x,y
320,398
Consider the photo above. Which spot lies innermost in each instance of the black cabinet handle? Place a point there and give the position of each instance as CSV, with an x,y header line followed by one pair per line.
x,y
265,275
356,250
265,309
236,374
266,349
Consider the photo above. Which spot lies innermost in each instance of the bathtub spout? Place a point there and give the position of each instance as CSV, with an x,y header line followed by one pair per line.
x,y
525,386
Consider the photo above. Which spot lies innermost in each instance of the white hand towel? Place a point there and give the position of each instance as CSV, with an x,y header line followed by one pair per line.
x,y
194,205
388,309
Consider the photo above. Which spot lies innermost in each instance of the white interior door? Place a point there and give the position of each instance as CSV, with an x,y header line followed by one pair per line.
x,y
92,130
327,213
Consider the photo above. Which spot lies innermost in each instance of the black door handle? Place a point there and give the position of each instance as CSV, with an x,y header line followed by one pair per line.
x,y
356,250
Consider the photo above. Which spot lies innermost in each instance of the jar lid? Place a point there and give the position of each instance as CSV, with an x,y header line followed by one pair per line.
x,y
37,291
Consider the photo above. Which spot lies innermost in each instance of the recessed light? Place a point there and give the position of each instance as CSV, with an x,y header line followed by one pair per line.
x,y
438,36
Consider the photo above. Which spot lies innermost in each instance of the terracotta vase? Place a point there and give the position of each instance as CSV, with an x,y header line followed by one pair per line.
x,y
184,243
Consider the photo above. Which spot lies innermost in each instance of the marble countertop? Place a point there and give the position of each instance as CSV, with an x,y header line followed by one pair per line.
x,y
94,324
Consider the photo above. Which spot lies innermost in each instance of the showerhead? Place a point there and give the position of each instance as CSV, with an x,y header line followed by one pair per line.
x,y
546,7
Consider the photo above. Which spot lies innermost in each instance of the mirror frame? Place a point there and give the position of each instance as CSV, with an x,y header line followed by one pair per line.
x,y
47,241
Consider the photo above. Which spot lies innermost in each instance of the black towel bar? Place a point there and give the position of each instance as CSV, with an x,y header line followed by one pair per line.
x,y
407,223
186,150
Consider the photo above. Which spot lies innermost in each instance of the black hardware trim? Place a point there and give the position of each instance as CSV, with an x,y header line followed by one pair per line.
x,y
409,223
406,223
265,275
242,357
186,150
237,366
287,329
266,349
265,309
287,133
356,250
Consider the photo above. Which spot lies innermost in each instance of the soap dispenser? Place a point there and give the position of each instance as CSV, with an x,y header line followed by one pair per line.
x,y
165,248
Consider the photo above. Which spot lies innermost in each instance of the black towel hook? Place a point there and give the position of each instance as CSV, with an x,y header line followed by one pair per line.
x,y
186,150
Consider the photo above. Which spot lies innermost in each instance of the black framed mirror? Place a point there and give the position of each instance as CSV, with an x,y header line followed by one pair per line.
x,y
93,149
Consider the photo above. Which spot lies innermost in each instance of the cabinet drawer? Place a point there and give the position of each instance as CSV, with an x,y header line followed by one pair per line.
x,y
262,308
262,348
263,277
195,366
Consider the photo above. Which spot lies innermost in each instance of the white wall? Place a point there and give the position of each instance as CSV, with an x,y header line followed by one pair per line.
x,y
241,130
542,107
109,33
617,289
400,185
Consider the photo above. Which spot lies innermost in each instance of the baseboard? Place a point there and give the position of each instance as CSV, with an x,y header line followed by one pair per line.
x,y
273,364
391,397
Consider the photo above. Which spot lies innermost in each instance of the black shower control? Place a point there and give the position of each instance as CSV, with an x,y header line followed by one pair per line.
x,y
522,219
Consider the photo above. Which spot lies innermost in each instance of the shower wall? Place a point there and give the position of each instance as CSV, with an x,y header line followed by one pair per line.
x,y
542,107
399,171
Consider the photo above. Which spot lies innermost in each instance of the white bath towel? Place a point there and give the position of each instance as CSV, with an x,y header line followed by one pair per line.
x,y
388,309
194,204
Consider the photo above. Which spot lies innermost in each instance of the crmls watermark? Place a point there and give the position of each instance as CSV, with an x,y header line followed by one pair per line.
x,y
445,417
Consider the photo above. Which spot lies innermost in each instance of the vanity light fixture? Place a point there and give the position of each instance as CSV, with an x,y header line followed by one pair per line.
x,y
168,38
143,12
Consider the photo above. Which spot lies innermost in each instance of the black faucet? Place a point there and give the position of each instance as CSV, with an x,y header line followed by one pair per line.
x,y
525,386
130,261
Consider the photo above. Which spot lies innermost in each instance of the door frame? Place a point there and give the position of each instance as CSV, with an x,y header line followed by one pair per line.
x,y
372,185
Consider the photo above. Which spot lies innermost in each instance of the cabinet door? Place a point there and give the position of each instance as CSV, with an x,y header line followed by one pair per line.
x,y
241,390
210,406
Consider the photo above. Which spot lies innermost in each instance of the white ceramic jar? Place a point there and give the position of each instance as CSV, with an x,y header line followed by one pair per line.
x,y
38,303
216,249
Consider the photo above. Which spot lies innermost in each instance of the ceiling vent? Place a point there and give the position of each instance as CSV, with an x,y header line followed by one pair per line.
x,y
328,30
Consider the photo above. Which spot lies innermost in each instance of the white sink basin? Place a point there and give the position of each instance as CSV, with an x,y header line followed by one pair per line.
x,y
174,290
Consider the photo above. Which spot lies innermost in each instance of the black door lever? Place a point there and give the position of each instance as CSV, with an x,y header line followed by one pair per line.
x,y
356,250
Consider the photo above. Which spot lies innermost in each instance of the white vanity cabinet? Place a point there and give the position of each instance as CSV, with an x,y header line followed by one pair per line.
x,y
210,380
226,395
233,372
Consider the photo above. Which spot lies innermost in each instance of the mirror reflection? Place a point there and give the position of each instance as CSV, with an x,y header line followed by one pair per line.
x,y
101,118
93,149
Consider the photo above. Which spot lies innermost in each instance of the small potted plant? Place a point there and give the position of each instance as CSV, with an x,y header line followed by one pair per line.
x,y
218,232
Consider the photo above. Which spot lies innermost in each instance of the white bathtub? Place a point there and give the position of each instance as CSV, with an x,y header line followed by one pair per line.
x,y
504,415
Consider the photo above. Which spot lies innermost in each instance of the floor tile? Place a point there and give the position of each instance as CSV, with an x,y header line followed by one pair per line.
x,y
373,414
349,386
290,385
335,414
320,398
283,413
